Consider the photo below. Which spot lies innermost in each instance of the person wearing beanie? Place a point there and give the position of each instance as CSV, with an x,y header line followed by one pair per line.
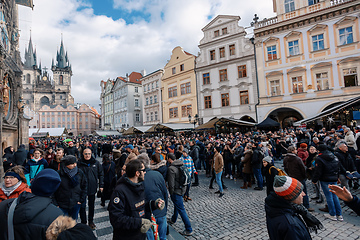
x,y
269,172
14,183
286,217
73,188
34,211
327,172
303,152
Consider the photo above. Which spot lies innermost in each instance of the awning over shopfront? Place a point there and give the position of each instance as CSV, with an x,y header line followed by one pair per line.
x,y
330,111
170,127
136,130
106,133
268,123
54,132
234,122
209,125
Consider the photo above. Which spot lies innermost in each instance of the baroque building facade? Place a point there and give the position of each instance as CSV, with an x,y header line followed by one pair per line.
x,y
308,58
225,71
151,85
178,87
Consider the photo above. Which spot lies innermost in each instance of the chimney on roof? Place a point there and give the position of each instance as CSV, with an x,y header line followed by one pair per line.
x,y
127,77
143,72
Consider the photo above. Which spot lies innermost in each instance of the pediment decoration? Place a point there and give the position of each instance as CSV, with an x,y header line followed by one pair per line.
x,y
345,20
297,69
293,34
317,27
321,65
349,60
271,39
274,73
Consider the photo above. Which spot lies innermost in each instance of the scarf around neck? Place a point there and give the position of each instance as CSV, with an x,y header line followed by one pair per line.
x,y
72,175
9,190
311,222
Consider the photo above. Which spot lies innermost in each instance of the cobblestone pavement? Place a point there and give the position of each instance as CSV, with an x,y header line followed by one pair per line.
x,y
239,214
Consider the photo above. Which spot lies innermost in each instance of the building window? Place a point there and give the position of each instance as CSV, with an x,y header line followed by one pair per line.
x,y
346,35
223,75
148,86
181,67
232,49
224,31
275,87
212,55
28,78
350,77
242,71
173,112
206,78
222,52
172,92
151,100
136,102
289,6
152,86
156,116
271,52
297,84
225,99
312,2
151,116
185,88
207,100
318,42
216,33
61,80
173,72
294,48
155,99
244,97
136,89
186,110
137,117
322,81
147,117
147,101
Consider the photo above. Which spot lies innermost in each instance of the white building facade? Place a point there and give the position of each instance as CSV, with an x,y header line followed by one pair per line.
x,y
107,107
151,101
225,71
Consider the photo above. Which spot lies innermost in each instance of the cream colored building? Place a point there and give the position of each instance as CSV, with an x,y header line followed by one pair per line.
x,y
308,58
178,88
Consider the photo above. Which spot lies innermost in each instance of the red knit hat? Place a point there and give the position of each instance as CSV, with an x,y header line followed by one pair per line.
x,y
303,145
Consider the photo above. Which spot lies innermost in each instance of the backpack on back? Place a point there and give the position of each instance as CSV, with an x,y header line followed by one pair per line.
x,y
280,171
185,178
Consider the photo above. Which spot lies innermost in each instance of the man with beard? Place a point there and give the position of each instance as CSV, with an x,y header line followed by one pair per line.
x,y
55,163
127,204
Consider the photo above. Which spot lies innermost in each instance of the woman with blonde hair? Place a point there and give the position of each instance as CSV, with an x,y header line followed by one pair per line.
x,y
14,183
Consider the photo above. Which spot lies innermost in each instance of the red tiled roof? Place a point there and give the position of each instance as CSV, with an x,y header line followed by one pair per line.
x,y
135,77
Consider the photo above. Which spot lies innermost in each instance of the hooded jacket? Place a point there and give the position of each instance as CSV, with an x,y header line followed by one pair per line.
x,y
173,177
282,221
126,209
20,155
326,167
33,215
94,173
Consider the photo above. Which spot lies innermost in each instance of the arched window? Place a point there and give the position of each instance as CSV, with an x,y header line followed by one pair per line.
x,y
44,101
61,80
28,78
289,5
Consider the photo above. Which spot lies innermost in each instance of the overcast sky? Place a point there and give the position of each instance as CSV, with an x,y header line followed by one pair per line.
x,y
109,38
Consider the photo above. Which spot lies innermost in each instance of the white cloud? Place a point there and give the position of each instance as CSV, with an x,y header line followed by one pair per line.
x,y
100,47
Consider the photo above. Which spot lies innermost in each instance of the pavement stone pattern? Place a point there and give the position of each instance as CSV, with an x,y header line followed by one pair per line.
x,y
239,214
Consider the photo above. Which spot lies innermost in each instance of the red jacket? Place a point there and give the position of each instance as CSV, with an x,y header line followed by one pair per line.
x,y
23,187
303,154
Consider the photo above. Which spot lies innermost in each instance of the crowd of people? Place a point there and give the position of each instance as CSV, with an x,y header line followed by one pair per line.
x,y
138,175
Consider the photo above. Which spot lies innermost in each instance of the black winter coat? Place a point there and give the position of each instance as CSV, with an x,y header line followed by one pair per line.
x,y
33,215
94,173
67,196
20,156
126,209
283,223
256,161
72,151
326,167
346,161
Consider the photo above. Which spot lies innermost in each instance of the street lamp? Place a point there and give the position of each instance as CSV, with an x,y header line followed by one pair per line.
x,y
196,119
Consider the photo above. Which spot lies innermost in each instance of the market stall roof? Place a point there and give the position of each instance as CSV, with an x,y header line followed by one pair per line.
x,y
136,130
233,121
268,122
53,132
40,134
209,125
329,111
170,127
32,130
106,133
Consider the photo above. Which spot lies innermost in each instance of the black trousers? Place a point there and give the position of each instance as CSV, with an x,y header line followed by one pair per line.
x,y
91,204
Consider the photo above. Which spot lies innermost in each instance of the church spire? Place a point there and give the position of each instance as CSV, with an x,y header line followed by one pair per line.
x,y
30,55
61,57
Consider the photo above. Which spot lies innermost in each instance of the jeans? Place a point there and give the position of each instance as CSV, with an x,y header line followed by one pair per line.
x,y
72,212
91,204
331,199
180,209
218,181
306,197
162,227
228,168
259,177
318,192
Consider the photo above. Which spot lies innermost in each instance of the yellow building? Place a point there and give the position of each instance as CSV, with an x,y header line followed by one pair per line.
x,y
178,87
308,58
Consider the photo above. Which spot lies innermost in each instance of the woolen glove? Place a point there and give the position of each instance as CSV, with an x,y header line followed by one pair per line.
x,y
145,225
161,207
